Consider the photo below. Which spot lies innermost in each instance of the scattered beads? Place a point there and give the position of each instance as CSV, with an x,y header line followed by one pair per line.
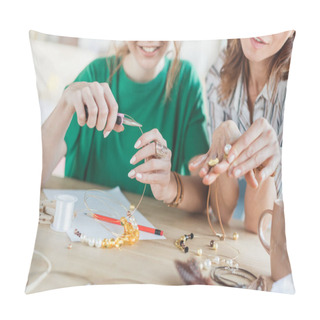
x,y
214,245
207,264
189,236
216,260
229,262
180,243
235,236
199,252
69,246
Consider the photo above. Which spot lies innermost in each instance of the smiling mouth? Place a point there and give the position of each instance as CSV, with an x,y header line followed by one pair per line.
x,y
149,49
259,40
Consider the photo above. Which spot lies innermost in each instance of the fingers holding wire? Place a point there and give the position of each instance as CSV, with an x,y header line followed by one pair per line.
x,y
152,150
148,137
197,161
154,171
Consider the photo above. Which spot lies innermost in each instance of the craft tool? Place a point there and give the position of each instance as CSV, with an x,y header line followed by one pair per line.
x,y
121,119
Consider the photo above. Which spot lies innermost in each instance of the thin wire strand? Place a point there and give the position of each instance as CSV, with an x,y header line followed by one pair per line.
x,y
218,210
35,283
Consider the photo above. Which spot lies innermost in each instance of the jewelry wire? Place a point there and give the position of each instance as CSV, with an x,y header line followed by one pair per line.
x,y
218,210
35,283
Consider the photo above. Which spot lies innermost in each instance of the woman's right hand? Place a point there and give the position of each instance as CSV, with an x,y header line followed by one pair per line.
x,y
226,133
101,105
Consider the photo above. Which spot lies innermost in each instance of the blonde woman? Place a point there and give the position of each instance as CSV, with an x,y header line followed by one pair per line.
x,y
162,94
246,90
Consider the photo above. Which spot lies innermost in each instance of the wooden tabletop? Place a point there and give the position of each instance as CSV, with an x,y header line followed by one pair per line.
x,y
148,261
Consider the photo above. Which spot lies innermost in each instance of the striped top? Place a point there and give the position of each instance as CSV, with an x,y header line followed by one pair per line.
x,y
236,108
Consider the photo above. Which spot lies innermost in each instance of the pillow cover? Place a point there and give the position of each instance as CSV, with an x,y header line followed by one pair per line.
x,y
100,224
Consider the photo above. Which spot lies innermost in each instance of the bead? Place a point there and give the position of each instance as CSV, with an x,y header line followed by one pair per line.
x,y
214,246
133,240
98,243
235,236
184,248
120,242
213,162
207,264
236,266
189,236
123,220
83,238
91,242
216,260
229,262
70,246
136,234
211,243
199,252
200,265
111,243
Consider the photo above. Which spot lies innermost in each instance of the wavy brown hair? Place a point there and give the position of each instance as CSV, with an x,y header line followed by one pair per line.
x,y
122,51
236,64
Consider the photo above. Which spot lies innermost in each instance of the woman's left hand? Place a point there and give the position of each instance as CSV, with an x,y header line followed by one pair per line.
x,y
257,147
156,170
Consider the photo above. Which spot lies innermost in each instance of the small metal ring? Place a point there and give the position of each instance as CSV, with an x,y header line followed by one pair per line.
x,y
161,151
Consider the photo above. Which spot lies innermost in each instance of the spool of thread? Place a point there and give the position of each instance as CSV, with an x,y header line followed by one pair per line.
x,y
64,212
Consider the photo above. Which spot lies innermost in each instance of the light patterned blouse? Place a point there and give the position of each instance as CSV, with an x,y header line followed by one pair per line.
x,y
236,108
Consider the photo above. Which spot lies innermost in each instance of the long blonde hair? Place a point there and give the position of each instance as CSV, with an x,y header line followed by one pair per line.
x,y
236,64
122,51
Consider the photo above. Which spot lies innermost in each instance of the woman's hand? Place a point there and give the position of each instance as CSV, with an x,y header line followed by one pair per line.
x,y
226,133
101,106
156,170
257,147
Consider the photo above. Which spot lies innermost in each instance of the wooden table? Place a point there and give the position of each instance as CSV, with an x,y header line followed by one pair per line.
x,y
148,261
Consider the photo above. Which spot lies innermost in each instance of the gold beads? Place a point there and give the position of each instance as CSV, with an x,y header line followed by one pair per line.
x,y
199,252
213,162
235,236
130,236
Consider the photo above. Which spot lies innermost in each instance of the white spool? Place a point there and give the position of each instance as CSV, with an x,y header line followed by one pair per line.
x,y
64,212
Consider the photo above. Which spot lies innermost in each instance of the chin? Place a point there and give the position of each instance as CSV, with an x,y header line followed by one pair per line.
x,y
148,65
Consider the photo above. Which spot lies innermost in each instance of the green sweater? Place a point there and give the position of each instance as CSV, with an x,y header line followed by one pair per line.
x,y
180,119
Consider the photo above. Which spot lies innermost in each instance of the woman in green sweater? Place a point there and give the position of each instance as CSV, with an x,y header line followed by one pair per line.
x,y
163,95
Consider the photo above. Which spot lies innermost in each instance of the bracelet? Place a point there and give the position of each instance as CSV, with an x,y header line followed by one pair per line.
x,y
178,199
236,272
